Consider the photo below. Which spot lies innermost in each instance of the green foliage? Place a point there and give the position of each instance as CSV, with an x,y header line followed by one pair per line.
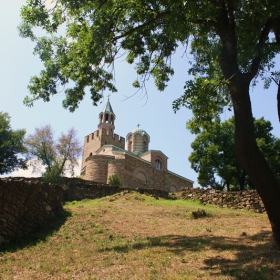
x,y
12,150
213,158
148,33
53,176
115,180
57,157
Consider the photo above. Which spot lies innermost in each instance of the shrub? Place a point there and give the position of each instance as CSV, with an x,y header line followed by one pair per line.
x,y
52,176
115,180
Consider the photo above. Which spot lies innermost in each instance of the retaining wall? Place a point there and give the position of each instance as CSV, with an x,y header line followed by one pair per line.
x,y
78,189
25,204
247,200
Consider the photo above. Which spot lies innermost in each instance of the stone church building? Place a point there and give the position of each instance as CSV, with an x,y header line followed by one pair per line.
x,y
104,154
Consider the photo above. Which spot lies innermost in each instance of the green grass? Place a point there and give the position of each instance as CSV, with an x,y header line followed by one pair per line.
x,y
133,236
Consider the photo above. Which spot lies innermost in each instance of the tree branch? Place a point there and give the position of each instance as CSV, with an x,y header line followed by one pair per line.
x,y
141,26
231,15
276,29
278,97
263,38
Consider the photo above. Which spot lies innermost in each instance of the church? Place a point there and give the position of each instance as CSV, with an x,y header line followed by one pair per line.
x,y
106,153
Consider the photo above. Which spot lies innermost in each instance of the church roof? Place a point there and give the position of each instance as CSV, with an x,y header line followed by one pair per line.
x,y
108,108
138,130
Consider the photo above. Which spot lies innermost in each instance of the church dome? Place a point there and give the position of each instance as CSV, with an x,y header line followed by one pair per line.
x,y
138,130
137,141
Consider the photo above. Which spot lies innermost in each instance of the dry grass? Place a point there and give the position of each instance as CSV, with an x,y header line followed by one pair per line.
x,y
133,236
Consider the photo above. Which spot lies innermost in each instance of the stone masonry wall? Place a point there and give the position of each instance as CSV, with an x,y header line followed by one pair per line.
x,y
78,189
24,204
97,168
247,200
97,139
178,182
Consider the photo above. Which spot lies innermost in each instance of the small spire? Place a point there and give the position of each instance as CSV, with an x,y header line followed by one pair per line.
x,y
138,125
108,107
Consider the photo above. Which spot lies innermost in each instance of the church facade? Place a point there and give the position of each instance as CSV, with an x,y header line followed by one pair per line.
x,y
106,153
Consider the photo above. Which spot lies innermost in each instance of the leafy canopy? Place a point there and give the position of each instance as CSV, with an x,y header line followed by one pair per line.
x,y
58,157
212,156
12,150
147,33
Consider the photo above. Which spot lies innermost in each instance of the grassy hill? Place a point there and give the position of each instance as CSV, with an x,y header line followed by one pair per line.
x,y
133,236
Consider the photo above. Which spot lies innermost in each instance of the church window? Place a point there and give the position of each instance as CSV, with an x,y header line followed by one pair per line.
x,y
145,146
158,164
106,118
129,146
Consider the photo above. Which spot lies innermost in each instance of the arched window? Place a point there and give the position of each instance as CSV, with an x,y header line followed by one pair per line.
x,y
129,146
145,143
158,164
173,188
141,176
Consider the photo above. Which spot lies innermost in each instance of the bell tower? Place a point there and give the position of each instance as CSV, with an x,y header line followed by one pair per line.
x,y
104,135
107,118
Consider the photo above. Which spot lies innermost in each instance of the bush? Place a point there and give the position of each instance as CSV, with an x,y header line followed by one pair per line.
x,y
115,180
52,176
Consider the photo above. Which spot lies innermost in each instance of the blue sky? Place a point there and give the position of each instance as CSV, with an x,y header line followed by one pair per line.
x,y
166,129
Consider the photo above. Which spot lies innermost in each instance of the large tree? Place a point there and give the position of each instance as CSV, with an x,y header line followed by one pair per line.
x,y
12,150
212,156
57,157
233,42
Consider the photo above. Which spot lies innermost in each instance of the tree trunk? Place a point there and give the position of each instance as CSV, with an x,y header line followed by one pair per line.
x,y
228,184
242,180
249,155
278,100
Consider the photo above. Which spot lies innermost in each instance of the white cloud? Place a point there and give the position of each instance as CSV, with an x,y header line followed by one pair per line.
x,y
28,173
24,173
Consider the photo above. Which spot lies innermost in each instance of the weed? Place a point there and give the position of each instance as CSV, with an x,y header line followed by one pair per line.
x,y
200,213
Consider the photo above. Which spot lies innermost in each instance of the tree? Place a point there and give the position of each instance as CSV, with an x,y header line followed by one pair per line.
x,y
232,42
213,158
12,149
58,156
